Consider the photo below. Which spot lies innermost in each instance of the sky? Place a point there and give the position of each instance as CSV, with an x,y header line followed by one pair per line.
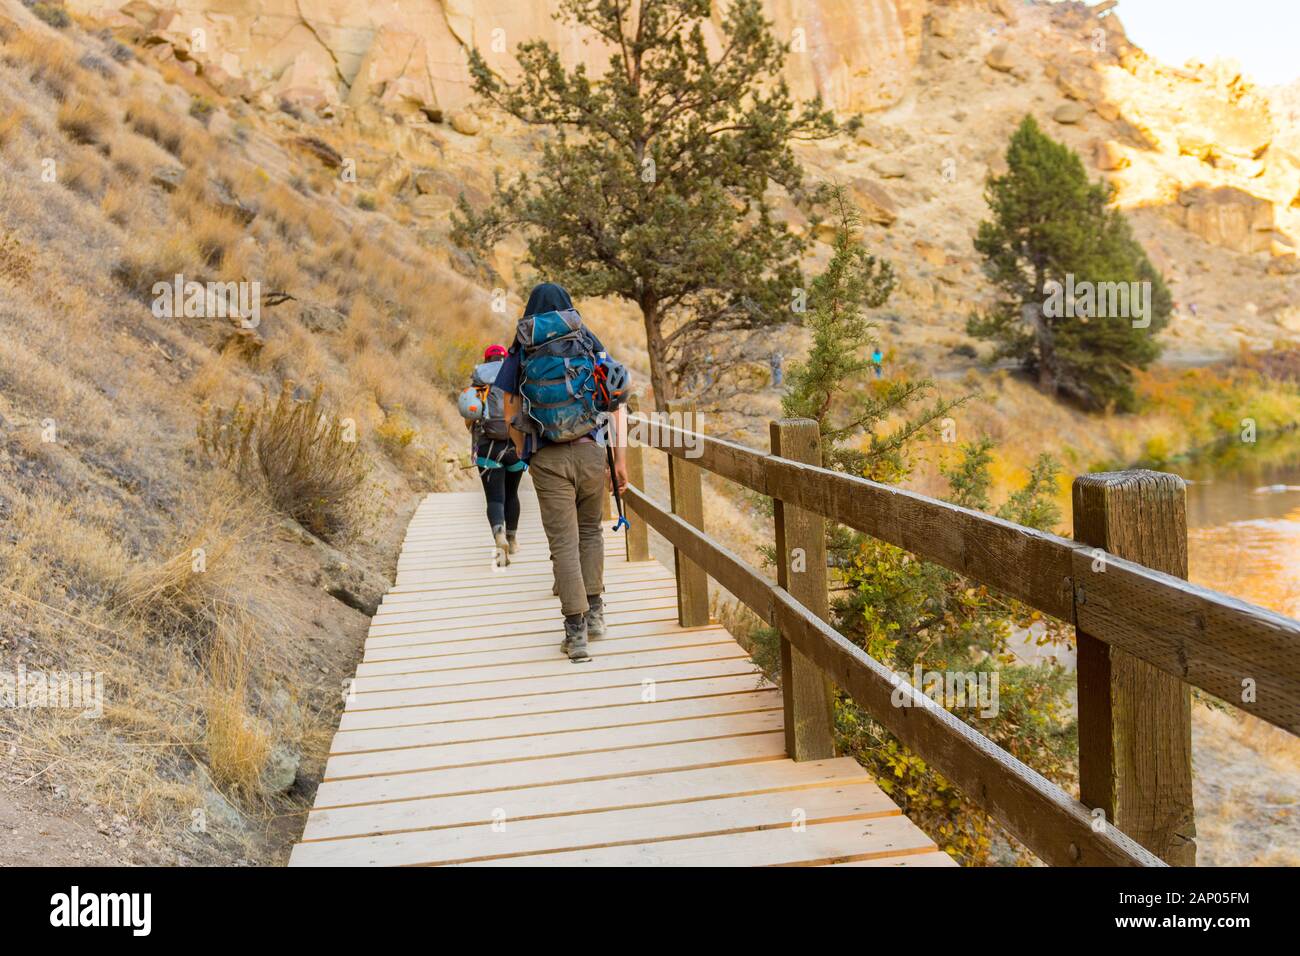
x,y
1261,35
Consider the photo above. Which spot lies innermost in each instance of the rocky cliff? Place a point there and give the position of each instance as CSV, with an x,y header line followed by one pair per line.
x,y
411,54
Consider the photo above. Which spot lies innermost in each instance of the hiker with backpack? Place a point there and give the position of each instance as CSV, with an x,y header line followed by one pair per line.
x,y
482,405
564,405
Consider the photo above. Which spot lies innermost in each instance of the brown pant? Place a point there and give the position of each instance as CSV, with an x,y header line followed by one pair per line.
x,y
570,484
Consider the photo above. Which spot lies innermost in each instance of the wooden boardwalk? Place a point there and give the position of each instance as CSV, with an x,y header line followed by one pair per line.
x,y
470,738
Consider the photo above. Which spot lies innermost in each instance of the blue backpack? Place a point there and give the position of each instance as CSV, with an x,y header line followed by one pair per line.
x,y
559,380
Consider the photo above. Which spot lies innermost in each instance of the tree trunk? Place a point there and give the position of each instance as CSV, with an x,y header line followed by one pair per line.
x,y
1047,369
659,379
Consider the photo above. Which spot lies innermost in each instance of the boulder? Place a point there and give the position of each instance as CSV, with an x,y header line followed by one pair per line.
x,y
1001,58
1079,83
1226,216
169,178
889,167
318,317
466,123
1070,113
281,768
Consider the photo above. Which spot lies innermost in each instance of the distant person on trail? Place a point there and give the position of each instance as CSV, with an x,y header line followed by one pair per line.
x,y
564,403
878,360
499,465
777,361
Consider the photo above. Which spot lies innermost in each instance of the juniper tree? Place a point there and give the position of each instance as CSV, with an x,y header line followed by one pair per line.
x,y
1052,233
655,183
903,611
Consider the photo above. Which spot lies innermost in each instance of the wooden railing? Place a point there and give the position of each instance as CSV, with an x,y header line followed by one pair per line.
x,y
1145,635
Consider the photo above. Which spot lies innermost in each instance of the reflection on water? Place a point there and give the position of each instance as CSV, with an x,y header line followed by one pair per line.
x,y
1243,513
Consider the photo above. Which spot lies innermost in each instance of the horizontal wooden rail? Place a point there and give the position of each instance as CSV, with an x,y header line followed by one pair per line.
x,y
1055,826
1246,655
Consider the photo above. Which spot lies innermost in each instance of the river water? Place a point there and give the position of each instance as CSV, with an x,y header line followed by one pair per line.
x,y
1243,517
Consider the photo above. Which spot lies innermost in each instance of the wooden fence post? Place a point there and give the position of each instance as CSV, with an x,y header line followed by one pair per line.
x,y
807,696
638,532
688,504
1135,738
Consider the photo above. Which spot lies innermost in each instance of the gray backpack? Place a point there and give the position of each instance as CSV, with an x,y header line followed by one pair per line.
x,y
493,423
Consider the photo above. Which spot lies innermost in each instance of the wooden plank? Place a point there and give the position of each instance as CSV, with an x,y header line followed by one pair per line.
x,y
511,597
496,727
673,787
937,858
451,673
506,583
586,740
494,656
491,629
1135,722
1050,822
616,631
801,569
577,678
548,703
550,770
430,622
817,844
1243,654
687,497
665,629
506,838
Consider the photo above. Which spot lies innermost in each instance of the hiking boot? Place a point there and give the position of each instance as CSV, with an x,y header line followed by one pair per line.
x,y
575,637
595,617
512,545
503,543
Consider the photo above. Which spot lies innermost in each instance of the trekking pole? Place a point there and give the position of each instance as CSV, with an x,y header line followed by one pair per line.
x,y
622,521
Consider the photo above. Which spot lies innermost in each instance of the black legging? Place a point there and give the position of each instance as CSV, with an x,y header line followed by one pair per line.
x,y
501,488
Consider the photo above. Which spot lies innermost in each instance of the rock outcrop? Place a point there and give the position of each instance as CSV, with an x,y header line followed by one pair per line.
x,y
411,55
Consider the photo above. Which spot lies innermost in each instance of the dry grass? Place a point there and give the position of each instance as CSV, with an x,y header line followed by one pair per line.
x,y
11,120
84,121
151,258
117,204
157,123
306,460
237,744
214,233
134,156
50,61
83,173
205,581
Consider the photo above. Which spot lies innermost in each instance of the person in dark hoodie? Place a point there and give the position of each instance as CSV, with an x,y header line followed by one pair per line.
x,y
568,476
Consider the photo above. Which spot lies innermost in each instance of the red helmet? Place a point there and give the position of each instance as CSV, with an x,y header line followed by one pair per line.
x,y
494,352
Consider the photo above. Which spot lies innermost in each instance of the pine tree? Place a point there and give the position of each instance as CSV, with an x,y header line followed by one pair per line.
x,y
903,611
1053,232
654,185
